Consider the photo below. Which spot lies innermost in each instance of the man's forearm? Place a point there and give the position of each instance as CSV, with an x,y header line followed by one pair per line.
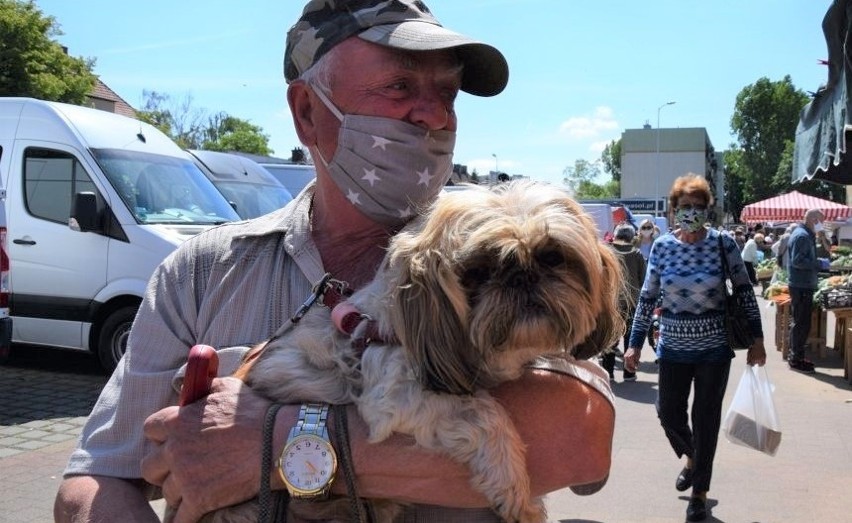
x,y
566,427
91,499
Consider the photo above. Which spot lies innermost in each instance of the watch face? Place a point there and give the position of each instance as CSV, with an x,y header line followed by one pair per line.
x,y
308,464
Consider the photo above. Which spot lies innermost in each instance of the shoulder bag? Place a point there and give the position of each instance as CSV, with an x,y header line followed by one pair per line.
x,y
736,323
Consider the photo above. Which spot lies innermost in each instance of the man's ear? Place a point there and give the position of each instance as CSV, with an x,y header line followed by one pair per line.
x,y
302,109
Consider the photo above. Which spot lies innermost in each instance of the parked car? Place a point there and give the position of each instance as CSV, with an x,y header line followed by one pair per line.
x,y
94,202
293,176
250,188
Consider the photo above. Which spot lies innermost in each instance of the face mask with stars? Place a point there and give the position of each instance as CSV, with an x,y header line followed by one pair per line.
x,y
388,169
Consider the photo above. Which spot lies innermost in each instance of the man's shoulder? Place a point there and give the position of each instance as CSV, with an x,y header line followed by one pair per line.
x,y
225,243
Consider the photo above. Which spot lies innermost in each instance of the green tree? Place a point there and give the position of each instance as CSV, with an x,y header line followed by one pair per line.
x,y
580,180
192,128
732,160
765,118
32,63
611,159
179,119
228,133
581,171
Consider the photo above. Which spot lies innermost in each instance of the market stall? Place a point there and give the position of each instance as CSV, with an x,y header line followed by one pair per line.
x,y
833,296
791,207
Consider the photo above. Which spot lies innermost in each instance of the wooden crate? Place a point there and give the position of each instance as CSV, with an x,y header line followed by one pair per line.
x,y
782,328
816,336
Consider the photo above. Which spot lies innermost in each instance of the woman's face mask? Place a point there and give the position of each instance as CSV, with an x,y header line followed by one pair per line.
x,y
691,219
388,169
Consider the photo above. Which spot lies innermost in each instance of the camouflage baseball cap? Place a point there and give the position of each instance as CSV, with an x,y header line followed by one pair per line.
x,y
401,24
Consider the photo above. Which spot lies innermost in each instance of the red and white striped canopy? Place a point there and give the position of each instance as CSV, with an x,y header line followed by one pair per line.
x,y
791,207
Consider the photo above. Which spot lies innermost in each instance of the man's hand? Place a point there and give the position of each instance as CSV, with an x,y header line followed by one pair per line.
x,y
756,353
631,359
206,455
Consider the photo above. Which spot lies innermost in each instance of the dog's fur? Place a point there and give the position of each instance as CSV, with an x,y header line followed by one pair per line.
x,y
474,290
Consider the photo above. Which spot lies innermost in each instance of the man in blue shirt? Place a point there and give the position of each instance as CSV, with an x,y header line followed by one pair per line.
x,y
802,269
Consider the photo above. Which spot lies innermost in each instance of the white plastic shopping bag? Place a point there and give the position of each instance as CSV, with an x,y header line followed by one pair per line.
x,y
752,420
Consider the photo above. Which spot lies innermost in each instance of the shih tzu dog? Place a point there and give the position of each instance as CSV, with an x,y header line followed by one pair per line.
x,y
474,290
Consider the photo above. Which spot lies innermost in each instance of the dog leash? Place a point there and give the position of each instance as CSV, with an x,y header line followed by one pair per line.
x,y
331,293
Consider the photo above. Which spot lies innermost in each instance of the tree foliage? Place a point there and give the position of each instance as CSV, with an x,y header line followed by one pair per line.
x,y
765,118
179,119
192,128
611,159
32,63
229,133
580,180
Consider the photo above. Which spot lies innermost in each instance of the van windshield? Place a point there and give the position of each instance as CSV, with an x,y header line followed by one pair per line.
x,y
163,189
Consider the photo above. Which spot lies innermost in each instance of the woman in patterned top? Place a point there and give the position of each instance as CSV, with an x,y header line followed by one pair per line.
x,y
685,274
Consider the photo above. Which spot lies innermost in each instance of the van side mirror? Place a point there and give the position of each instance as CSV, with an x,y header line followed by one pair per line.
x,y
84,213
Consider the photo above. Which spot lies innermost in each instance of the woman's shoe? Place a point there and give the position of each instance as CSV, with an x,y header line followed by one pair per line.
x,y
684,479
697,509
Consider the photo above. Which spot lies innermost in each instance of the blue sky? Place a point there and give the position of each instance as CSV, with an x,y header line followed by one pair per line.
x,y
580,72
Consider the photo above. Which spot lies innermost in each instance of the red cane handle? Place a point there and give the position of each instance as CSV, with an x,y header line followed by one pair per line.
x,y
201,367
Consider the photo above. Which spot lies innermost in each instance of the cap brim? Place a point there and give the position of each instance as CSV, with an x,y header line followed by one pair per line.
x,y
486,72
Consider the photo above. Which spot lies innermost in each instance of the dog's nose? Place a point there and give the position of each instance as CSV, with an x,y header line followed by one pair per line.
x,y
522,278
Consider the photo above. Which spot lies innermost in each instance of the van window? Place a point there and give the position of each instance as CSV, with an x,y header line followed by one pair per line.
x,y
163,189
51,178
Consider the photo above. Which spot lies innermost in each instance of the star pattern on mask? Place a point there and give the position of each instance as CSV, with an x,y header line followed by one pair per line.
x,y
354,197
370,176
425,177
380,142
405,213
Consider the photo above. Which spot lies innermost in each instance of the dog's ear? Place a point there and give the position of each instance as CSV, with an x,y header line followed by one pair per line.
x,y
427,322
609,327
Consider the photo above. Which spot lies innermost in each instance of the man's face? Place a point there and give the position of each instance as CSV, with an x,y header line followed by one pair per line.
x,y
371,80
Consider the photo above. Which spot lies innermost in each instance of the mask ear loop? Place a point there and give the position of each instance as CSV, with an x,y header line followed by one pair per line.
x,y
325,100
332,108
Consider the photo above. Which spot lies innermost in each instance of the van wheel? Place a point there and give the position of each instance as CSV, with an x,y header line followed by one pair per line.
x,y
113,339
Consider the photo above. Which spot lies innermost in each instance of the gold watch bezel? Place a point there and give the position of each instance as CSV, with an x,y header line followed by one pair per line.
x,y
319,491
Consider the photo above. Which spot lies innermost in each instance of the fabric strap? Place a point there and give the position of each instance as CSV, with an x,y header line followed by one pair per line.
x,y
272,506
341,436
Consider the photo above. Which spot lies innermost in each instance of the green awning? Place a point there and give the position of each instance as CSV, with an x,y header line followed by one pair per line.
x,y
825,126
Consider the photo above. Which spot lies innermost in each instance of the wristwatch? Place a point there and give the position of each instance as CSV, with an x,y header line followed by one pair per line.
x,y
308,462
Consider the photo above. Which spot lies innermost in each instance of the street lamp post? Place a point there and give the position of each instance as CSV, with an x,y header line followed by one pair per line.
x,y
496,169
657,158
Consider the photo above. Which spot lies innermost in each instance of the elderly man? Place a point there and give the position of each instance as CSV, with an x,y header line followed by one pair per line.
x,y
372,86
802,268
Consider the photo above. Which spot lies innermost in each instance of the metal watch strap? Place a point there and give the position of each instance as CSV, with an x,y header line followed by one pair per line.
x,y
312,424
312,420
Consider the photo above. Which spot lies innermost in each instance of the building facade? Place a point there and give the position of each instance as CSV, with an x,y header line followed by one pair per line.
x,y
651,160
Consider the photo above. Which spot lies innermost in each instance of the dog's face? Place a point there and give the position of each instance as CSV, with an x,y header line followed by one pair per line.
x,y
491,279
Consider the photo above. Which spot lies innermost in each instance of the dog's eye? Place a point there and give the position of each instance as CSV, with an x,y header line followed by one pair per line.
x,y
550,258
474,276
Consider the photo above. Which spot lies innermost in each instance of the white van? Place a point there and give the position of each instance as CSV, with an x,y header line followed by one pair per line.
x,y
250,189
94,202
602,214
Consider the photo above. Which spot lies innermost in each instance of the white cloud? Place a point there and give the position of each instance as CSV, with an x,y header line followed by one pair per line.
x,y
595,125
